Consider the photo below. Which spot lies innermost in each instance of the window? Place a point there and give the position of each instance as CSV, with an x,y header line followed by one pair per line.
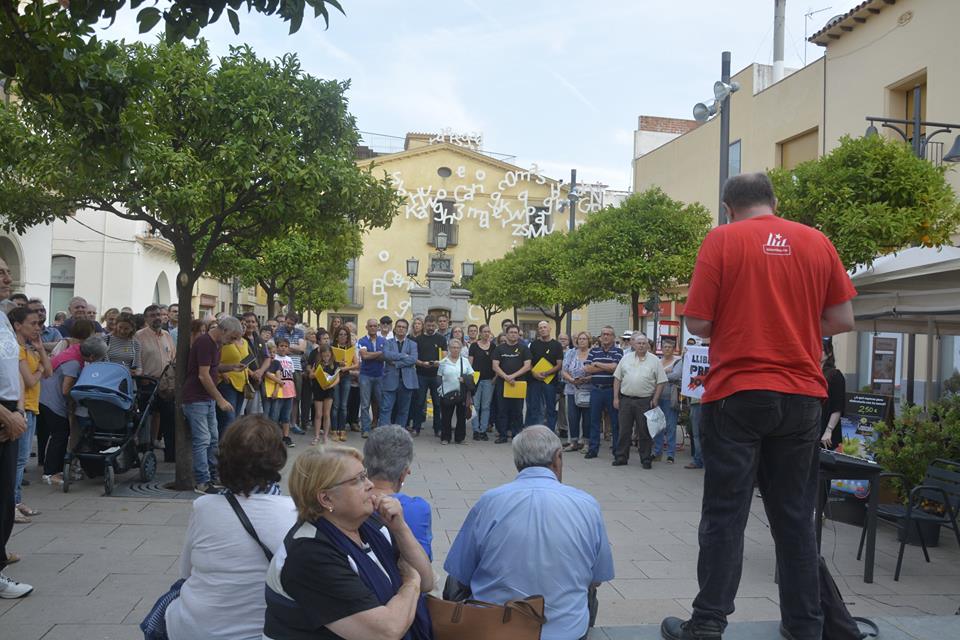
x,y
798,149
734,158
352,292
62,276
446,224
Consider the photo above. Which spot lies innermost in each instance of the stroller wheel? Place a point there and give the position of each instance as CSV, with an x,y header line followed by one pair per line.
x,y
66,477
148,466
109,479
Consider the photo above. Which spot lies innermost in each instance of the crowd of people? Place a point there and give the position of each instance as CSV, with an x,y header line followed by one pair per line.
x,y
348,554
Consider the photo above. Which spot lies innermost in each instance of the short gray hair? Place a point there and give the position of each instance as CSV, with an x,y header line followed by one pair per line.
x,y
229,323
94,348
535,446
388,452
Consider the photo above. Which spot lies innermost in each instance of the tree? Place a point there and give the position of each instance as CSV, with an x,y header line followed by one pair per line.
x,y
644,246
485,290
538,273
50,47
870,196
306,264
211,156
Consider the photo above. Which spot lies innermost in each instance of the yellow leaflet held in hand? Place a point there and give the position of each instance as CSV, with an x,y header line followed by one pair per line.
x,y
516,390
325,380
476,377
343,356
543,365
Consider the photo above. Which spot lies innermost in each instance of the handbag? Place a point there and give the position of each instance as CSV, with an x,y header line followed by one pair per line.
x,y
581,398
167,384
476,620
245,521
456,396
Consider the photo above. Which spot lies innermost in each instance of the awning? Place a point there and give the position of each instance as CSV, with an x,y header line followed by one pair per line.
x,y
906,291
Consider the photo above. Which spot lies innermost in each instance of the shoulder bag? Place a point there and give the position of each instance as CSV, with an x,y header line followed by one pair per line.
x,y
476,620
454,396
245,521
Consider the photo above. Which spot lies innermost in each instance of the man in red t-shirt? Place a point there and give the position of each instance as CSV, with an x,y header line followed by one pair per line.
x,y
765,291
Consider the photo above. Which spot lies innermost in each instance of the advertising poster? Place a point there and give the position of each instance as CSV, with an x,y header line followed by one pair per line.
x,y
861,412
696,364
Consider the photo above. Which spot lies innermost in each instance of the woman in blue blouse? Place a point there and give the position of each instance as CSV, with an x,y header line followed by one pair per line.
x,y
387,455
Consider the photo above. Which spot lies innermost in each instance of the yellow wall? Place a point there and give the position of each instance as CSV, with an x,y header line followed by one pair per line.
x,y
860,78
489,195
688,167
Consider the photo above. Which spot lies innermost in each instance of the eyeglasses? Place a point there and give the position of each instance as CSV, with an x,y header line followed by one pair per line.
x,y
356,480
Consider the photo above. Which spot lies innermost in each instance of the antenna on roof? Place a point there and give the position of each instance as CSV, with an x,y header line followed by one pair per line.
x,y
806,23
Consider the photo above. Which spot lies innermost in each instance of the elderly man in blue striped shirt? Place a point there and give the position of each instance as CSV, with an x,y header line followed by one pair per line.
x,y
535,535
601,362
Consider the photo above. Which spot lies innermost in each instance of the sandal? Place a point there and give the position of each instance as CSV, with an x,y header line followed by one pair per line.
x,y
315,441
27,511
12,557
572,446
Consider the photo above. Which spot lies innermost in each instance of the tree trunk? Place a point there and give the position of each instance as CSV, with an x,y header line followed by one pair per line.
x,y
270,302
635,309
291,299
558,318
182,437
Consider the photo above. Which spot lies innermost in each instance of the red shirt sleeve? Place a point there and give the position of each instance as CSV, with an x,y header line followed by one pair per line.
x,y
705,285
839,287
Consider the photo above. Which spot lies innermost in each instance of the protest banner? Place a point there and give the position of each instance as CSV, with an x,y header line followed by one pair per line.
x,y
696,364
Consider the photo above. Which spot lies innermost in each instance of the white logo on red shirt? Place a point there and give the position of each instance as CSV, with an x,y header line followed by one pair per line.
x,y
776,245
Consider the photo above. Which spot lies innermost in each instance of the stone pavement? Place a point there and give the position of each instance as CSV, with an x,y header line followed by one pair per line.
x,y
98,563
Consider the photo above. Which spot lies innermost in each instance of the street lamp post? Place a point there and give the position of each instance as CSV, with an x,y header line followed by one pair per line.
x,y
918,143
721,103
572,194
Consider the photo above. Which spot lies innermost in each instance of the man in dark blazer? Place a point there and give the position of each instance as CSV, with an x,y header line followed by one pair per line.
x,y
399,376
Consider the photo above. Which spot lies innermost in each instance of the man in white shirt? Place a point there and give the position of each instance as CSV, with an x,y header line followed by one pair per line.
x,y
638,382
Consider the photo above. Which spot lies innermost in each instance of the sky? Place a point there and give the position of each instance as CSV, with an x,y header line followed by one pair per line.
x,y
555,83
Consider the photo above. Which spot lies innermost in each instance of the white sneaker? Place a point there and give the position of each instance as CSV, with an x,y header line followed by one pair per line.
x,y
12,589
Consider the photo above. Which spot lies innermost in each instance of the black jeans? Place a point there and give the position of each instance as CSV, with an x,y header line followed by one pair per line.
x,y
59,429
773,437
8,484
447,413
509,412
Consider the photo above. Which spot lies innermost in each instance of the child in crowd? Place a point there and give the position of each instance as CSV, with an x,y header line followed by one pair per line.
x,y
280,388
322,367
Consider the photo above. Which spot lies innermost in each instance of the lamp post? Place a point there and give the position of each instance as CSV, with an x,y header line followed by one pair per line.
x,y
572,195
918,141
721,104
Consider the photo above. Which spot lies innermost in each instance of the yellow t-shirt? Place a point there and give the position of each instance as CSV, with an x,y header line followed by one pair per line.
x,y
31,395
234,353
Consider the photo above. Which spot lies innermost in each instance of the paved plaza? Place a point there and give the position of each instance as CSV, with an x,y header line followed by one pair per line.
x,y
99,563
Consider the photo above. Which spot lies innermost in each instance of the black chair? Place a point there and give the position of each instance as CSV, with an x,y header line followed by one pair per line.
x,y
941,487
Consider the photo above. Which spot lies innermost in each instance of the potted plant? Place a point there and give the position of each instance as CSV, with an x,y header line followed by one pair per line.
x,y
910,444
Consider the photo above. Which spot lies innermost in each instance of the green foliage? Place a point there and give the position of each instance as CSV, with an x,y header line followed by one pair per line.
x,y
538,273
644,246
51,52
870,196
917,437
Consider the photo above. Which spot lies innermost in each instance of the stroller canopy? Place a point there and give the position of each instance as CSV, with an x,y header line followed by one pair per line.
x,y
107,381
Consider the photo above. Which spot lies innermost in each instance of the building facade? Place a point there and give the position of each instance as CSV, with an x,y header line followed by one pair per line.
x,y
874,56
483,206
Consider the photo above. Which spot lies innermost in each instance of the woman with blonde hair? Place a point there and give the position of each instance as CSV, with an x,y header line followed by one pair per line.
x,y
337,574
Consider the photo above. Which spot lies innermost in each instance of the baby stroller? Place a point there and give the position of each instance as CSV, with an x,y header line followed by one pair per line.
x,y
118,436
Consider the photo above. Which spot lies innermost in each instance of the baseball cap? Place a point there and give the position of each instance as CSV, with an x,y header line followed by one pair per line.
x,y
626,335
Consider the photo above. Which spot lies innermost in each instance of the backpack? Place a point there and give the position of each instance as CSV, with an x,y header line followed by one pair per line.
x,y
838,624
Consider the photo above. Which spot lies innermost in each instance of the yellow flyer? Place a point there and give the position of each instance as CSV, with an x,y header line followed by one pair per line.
x,y
544,365
516,390
343,356
325,380
476,377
